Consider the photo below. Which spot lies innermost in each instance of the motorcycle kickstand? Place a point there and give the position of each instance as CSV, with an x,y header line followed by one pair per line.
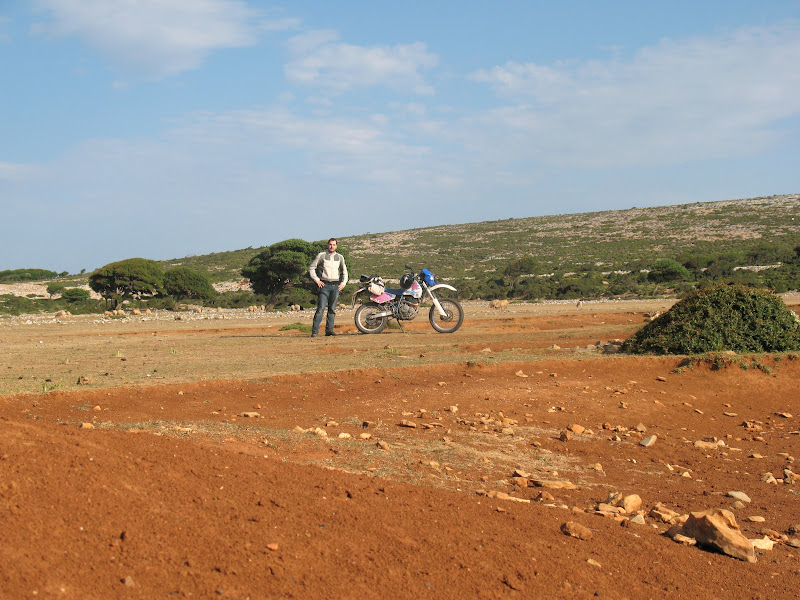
x,y
403,329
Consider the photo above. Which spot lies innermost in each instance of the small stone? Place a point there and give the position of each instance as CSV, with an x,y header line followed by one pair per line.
x,y
565,436
273,546
575,428
321,432
764,543
365,436
756,519
631,503
410,424
594,563
344,436
685,540
383,445
129,582
649,441
250,415
637,519
740,496
87,426
663,514
576,530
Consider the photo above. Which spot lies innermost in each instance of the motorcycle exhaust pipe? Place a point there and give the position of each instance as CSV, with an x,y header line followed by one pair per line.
x,y
381,315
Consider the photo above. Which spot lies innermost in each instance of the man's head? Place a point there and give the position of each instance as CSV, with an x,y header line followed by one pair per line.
x,y
332,244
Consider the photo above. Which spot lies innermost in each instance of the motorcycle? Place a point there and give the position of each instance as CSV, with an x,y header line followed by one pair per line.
x,y
446,314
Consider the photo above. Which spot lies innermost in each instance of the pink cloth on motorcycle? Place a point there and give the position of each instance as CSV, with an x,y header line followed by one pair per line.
x,y
414,292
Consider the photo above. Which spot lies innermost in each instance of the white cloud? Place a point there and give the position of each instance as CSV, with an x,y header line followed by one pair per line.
x,y
320,60
156,38
677,101
14,171
5,37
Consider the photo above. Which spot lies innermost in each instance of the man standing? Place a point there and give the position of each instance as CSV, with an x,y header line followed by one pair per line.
x,y
330,274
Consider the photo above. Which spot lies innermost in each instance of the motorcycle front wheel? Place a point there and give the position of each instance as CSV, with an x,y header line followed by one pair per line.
x,y
367,322
452,319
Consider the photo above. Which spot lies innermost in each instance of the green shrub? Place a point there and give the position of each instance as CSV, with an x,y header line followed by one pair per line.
x,y
301,327
74,295
718,318
667,269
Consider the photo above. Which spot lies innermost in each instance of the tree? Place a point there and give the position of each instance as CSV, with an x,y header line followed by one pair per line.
x,y
183,282
75,295
282,266
55,288
667,269
527,265
129,278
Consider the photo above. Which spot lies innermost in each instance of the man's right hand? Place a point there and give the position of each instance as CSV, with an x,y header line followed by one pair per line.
x,y
320,284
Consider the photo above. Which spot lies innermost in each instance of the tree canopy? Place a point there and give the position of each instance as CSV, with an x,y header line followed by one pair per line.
x,y
129,278
183,282
667,269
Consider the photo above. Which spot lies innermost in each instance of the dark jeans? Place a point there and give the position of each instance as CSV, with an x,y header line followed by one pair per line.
x,y
327,296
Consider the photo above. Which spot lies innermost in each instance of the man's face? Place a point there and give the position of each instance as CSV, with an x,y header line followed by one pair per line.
x,y
332,246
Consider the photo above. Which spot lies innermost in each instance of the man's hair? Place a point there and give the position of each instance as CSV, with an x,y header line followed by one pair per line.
x,y
333,240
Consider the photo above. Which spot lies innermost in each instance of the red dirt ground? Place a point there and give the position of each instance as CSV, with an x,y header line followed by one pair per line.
x,y
172,492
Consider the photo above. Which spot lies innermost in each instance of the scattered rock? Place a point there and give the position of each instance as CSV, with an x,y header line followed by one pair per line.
x,y
764,544
716,528
741,496
554,485
631,503
649,441
576,530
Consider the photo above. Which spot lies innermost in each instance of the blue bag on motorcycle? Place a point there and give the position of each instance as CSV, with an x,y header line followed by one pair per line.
x,y
428,277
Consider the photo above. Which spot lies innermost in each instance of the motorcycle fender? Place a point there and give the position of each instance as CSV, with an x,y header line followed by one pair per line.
x,y
439,286
355,295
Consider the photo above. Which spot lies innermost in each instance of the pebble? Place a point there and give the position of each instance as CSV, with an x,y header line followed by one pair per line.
x,y
576,530
741,496
649,441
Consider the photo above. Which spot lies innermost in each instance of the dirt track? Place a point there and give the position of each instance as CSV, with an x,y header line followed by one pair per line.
x,y
171,491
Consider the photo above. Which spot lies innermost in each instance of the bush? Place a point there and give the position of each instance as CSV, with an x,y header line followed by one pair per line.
x,y
718,318
666,269
183,282
74,295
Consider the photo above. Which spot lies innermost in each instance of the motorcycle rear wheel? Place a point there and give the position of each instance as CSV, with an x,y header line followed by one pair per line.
x,y
453,318
367,322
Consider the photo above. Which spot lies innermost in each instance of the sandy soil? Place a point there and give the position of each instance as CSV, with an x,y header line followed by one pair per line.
x,y
228,489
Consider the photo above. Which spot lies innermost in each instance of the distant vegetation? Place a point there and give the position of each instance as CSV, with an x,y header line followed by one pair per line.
x,y
24,275
639,252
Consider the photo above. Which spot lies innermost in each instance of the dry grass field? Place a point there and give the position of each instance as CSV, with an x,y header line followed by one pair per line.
x,y
220,456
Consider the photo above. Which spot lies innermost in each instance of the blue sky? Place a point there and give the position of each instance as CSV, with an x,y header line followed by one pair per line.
x,y
166,128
